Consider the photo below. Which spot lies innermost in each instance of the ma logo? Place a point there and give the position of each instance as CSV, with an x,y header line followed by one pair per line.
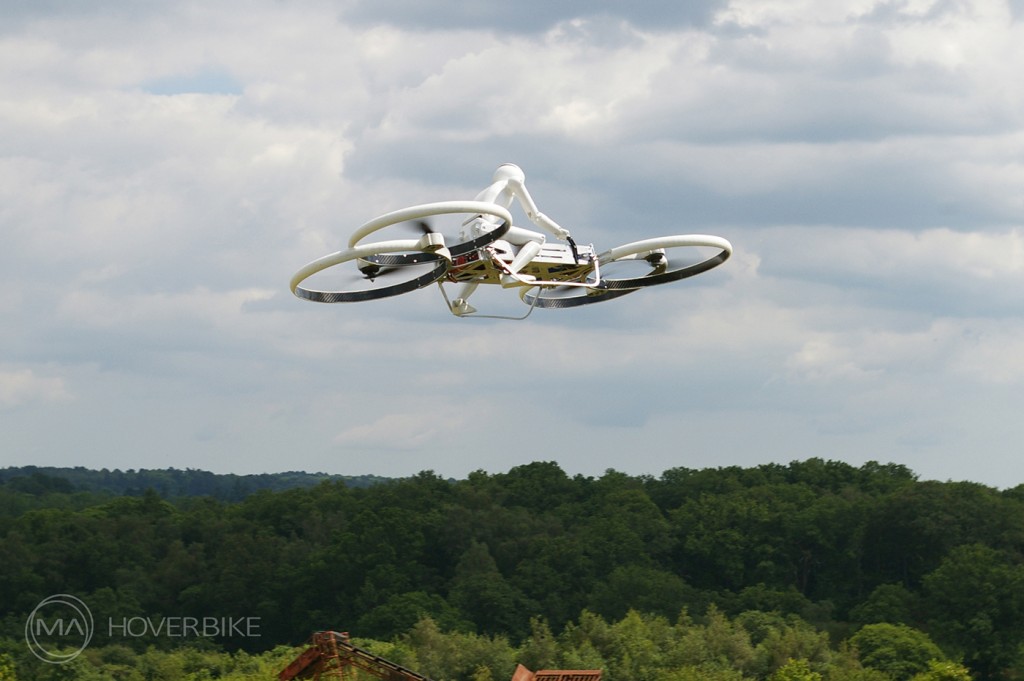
x,y
59,629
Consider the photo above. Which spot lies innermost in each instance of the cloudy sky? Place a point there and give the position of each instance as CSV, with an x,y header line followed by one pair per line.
x,y
166,167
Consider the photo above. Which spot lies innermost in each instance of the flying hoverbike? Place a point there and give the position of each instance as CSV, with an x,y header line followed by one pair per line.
x,y
483,247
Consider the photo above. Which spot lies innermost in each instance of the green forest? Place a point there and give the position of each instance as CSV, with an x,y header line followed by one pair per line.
x,y
812,571
168,483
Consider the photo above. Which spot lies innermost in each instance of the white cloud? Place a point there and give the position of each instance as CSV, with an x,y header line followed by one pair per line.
x,y
409,430
940,271
22,387
992,352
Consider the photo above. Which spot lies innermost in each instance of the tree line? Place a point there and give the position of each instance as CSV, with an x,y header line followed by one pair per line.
x,y
763,551
168,483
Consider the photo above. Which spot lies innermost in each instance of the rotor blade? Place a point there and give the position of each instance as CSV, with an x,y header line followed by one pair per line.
x,y
372,272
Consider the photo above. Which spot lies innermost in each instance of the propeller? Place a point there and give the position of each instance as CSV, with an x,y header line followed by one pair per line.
x,y
372,270
424,226
658,261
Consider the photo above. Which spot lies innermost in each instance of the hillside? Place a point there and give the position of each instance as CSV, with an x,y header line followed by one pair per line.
x,y
834,546
168,483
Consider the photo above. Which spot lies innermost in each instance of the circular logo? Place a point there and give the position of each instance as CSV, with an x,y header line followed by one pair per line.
x,y
59,629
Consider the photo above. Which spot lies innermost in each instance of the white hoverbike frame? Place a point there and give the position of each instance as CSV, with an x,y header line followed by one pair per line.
x,y
490,250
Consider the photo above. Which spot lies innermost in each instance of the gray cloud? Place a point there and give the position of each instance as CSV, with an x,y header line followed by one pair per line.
x,y
528,16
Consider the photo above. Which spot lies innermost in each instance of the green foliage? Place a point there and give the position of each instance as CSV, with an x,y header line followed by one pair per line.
x,y
540,650
7,668
701,673
976,599
458,656
846,665
767,563
795,670
167,483
643,588
118,663
636,647
896,649
892,603
793,639
639,647
943,670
